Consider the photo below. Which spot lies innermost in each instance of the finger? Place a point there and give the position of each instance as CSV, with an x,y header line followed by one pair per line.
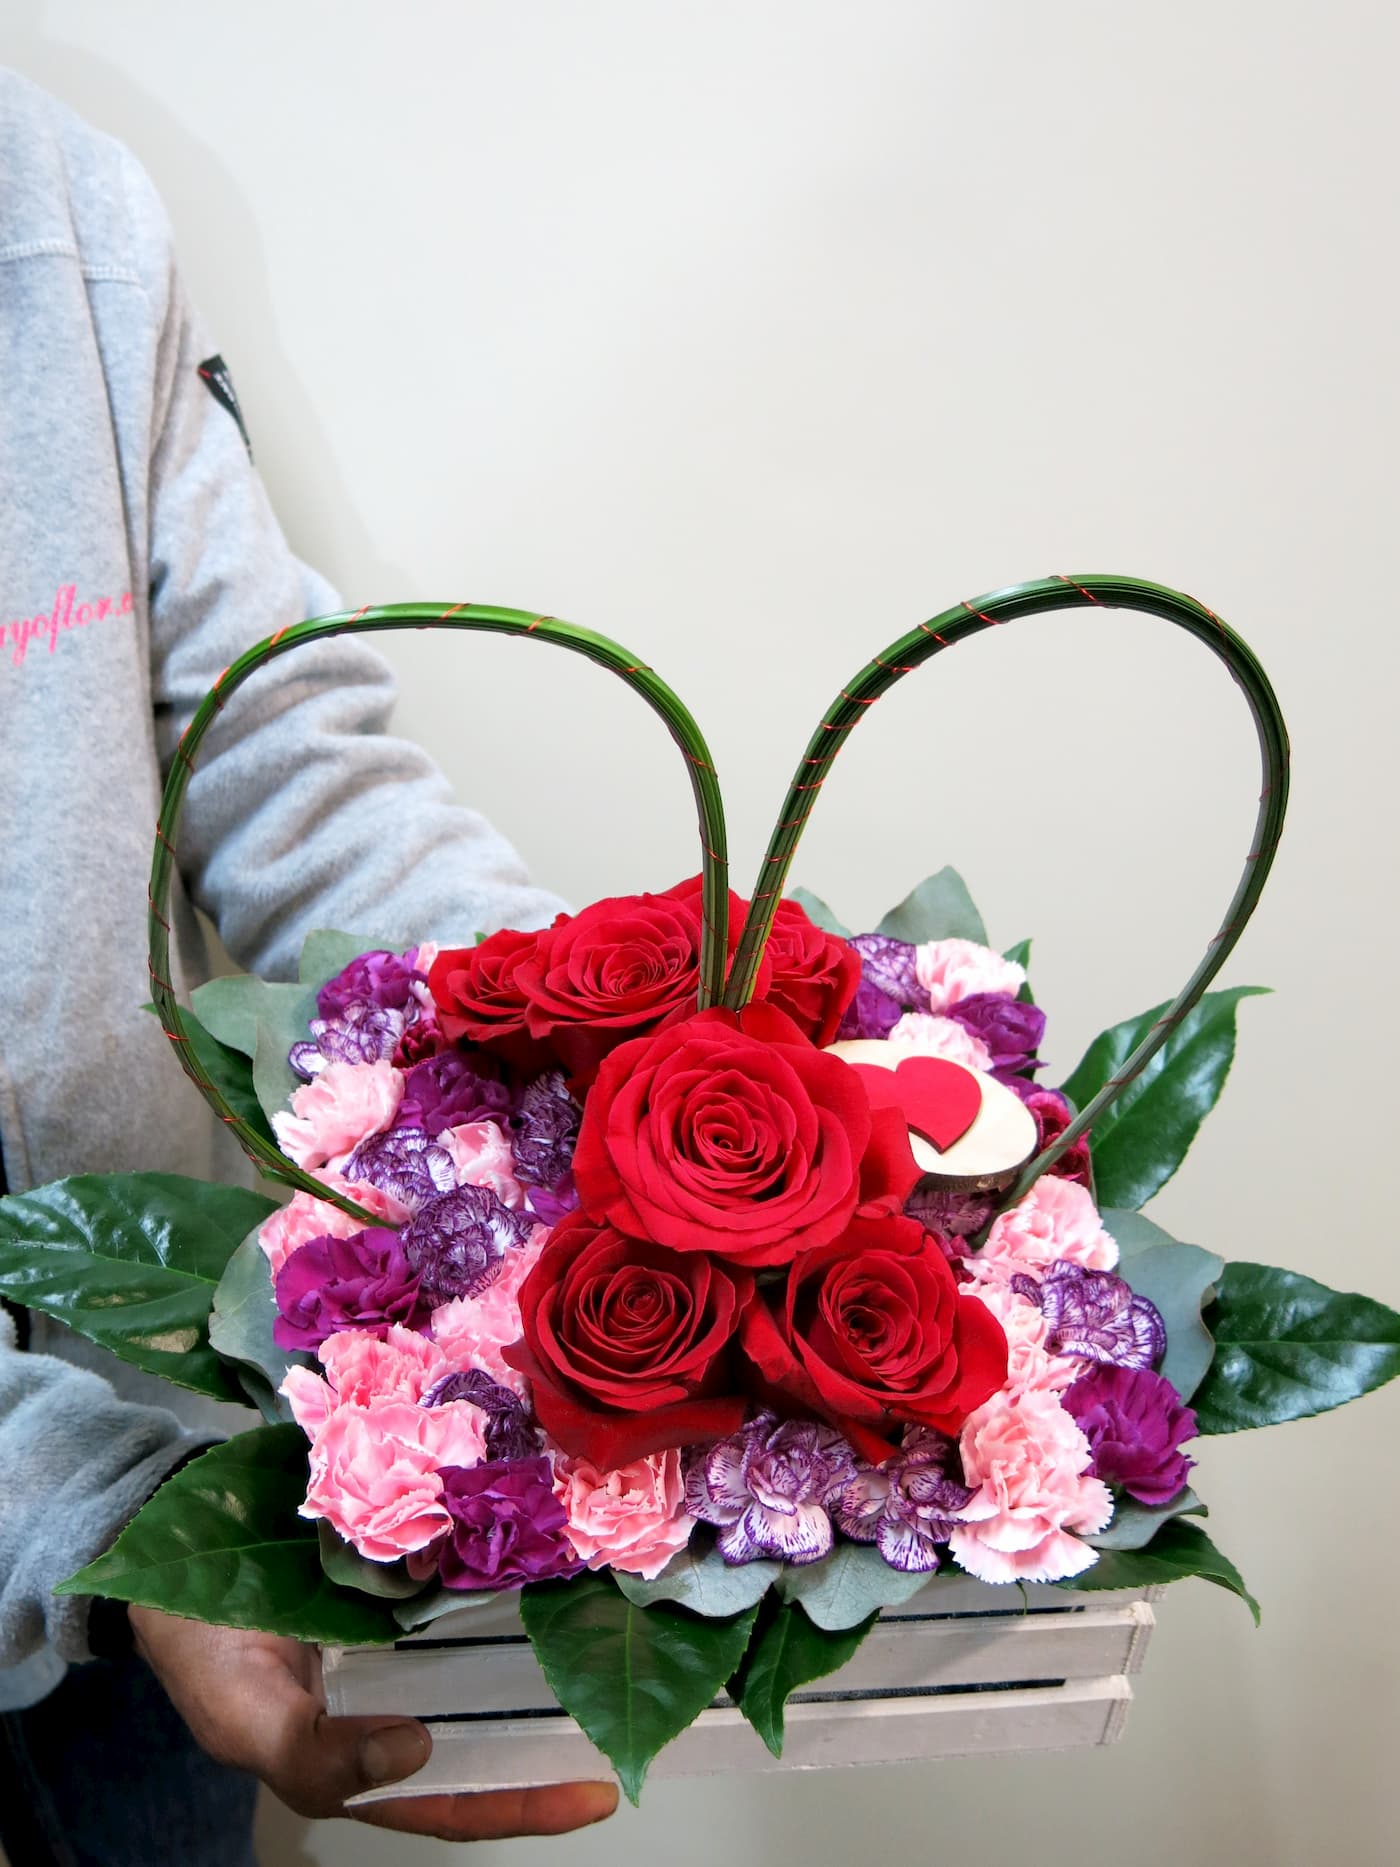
x,y
494,1815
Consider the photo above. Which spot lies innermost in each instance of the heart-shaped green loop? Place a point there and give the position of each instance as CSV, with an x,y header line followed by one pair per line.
x,y
956,625
704,783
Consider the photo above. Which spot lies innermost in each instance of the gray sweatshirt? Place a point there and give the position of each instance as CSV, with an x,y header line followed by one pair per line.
x,y
138,557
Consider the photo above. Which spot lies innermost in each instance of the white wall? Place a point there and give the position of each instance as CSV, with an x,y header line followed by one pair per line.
x,y
752,334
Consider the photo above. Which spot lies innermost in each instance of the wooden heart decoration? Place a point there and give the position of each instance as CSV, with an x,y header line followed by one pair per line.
x,y
939,1100
732,984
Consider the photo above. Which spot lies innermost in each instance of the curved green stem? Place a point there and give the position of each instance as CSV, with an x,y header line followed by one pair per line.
x,y
704,784
957,625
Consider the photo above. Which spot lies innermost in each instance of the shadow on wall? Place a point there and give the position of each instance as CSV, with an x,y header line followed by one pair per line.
x,y
301,476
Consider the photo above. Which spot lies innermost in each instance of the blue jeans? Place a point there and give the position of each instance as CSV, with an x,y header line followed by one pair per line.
x,y
104,1773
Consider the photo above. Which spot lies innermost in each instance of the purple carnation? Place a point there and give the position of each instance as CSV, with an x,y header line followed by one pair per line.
x,y
910,1504
1097,1315
457,1241
361,1282
379,978
891,967
545,1128
1011,1030
551,1204
949,1214
1134,1421
509,1434
446,1090
871,1013
768,1488
404,1163
508,1527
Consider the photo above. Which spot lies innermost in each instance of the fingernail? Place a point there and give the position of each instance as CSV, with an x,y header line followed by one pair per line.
x,y
606,1799
392,1752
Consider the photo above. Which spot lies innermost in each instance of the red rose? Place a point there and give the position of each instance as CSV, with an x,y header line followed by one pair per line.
x,y
815,974
479,996
731,1133
616,970
627,1345
872,1330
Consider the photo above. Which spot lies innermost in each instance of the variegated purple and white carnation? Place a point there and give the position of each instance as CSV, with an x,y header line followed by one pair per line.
x,y
404,1163
508,1432
891,966
1095,1315
362,1033
910,1504
768,1488
457,1241
544,1130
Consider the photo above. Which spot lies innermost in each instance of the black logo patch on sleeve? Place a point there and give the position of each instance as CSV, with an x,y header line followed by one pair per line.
x,y
214,374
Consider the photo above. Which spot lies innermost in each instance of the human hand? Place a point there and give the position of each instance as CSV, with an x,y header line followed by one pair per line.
x,y
255,1701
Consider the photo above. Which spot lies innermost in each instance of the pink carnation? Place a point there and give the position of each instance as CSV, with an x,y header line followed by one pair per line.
x,y
481,1154
361,1367
374,1472
472,1331
1057,1219
336,1110
633,1518
941,1037
1029,1461
950,970
1031,1368
307,1217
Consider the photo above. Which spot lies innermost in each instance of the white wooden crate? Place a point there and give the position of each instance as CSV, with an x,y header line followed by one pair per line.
x,y
958,1670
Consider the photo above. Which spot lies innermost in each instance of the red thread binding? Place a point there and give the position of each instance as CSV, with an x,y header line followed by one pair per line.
x,y
1088,595
993,622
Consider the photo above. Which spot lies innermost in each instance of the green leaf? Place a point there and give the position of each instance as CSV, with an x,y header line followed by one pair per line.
x,y
131,1260
324,953
818,912
1287,1347
1180,1279
1135,1524
240,1328
634,1678
702,1580
1179,1549
231,1075
790,1652
1141,1138
846,1586
232,1009
938,909
221,1541
431,1605
388,1581
1021,955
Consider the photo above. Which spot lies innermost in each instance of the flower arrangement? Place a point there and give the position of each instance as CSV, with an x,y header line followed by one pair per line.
x,y
709,1274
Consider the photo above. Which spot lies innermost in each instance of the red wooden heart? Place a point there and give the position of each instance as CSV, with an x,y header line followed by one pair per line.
x,y
939,1100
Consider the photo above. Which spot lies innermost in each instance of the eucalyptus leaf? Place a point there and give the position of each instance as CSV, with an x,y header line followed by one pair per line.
x,y
344,1565
700,1579
1287,1347
790,1652
1142,1137
275,1082
633,1677
221,1541
1178,1550
818,912
1135,1524
938,909
233,1008
131,1260
1180,1279
433,1603
326,952
240,1328
846,1586
1020,955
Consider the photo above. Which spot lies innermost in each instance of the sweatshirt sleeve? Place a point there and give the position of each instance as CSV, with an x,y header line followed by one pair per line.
x,y
76,1464
304,810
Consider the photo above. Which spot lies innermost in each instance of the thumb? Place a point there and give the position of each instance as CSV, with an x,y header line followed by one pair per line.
x,y
318,1764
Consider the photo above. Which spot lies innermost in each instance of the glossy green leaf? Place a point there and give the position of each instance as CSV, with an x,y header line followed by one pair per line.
x,y
344,1565
240,1328
221,1541
1141,1138
699,1578
938,909
1178,1550
231,1074
131,1260
1136,1524
1287,1347
1180,1279
633,1677
846,1586
818,912
790,1652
